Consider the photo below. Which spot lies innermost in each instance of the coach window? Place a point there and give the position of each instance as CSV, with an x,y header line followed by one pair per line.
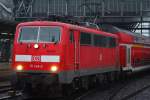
x,y
71,37
85,39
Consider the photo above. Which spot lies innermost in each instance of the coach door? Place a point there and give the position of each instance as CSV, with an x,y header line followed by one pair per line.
x,y
128,57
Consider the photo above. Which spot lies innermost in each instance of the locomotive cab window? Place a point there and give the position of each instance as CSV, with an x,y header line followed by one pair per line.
x,y
49,34
28,34
39,34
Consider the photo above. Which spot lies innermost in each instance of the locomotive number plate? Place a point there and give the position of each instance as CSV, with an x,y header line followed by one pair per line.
x,y
36,66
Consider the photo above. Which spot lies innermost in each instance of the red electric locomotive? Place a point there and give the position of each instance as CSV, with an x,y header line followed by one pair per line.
x,y
55,54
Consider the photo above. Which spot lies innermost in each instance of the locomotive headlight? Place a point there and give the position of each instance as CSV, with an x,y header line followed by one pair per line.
x,y
19,67
54,68
36,46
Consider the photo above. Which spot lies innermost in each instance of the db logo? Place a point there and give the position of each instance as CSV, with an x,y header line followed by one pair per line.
x,y
36,58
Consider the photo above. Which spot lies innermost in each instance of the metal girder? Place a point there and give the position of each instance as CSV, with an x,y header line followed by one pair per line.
x,y
23,8
6,9
128,12
103,8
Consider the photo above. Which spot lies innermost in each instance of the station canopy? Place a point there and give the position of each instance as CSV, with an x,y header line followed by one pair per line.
x,y
133,15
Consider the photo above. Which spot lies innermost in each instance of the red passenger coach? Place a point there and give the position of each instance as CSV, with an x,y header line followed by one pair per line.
x,y
134,49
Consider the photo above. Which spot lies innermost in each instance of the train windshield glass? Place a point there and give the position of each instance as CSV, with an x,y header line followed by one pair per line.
x,y
40,34
49,34
28,34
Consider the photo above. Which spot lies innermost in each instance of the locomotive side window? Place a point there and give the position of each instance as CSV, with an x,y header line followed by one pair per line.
x,y
85,39
97,40
28,34
100,41
103,41
112,42
71,37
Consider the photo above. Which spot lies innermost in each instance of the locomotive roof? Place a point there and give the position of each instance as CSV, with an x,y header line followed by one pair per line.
x,y
76,27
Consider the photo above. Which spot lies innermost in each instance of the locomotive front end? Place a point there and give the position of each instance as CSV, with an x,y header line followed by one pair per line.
x,y
37,48
37,54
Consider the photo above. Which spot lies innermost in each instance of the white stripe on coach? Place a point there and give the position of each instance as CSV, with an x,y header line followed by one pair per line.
x,y
23,58
45,58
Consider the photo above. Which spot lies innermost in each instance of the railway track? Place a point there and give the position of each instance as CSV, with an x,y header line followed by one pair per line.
x,y
118,87
5,86
127,86
6,91
7,97
85,94
135,93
